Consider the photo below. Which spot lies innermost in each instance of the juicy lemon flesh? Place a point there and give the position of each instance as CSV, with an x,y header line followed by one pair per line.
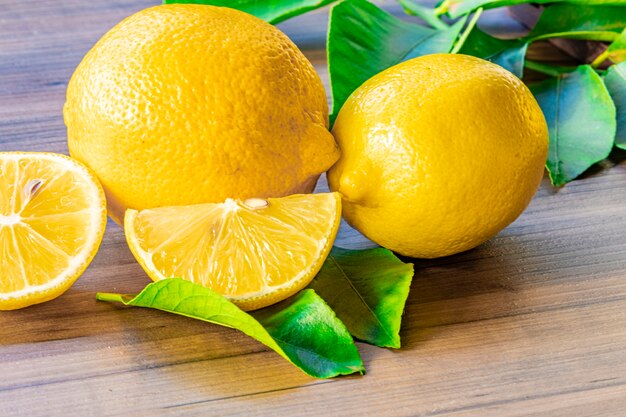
x,y
255,252
52,218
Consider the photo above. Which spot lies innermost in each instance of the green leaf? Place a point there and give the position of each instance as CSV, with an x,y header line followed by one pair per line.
x,y
364,40
272,11
581,122
600,23
508,53
368,290
302,329
456,8
615,80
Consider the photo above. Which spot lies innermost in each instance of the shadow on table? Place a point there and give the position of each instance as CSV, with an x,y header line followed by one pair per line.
x,y
477,285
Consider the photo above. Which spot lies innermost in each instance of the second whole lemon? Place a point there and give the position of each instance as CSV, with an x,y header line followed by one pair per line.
x,y
185,104
439,154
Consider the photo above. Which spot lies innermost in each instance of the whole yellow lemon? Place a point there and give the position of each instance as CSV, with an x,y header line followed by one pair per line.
x,y
185,104
439,154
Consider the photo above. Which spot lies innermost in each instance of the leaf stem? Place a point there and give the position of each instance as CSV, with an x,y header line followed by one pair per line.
x,y
588,35
442,8
546,69
110,297
600,58
470,26
426,14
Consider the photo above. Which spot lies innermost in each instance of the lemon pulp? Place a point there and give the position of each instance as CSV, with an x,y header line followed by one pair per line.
x,y
52,219
255,252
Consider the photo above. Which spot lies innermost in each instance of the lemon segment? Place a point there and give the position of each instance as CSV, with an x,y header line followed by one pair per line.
x,y
255,252
52,219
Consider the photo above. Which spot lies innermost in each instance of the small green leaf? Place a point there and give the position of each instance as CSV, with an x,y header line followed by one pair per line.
x,y
581,122
456,8
615,80
272,11
367,289
302,329
599,23
508,53
364,40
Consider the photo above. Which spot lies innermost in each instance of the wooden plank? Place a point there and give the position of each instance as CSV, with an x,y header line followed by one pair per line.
x,y
529,324
558,352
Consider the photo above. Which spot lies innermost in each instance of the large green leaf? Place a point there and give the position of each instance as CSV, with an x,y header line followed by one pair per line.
x,y
364,40
601,23
367,289
273,11
456,8
508,53
615,80
302,329
581,122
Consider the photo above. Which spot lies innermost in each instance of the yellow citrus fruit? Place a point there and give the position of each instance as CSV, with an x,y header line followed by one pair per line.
x,y
439,153
52,219
185,104
255,252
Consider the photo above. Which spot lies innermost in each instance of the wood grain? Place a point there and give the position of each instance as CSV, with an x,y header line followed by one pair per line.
x,y
532,323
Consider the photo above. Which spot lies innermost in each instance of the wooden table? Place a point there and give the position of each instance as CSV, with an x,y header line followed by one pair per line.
x,y
532,323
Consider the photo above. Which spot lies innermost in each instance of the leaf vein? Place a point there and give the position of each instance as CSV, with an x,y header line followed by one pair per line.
x,y
345,276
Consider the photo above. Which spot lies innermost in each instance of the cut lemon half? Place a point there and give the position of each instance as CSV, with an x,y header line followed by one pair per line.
x,y
254,252
52,219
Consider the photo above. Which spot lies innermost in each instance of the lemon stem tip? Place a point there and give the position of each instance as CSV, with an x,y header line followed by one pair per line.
x,y
110,297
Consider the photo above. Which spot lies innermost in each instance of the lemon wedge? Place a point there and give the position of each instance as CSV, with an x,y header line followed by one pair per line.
x,y
52,219
255,252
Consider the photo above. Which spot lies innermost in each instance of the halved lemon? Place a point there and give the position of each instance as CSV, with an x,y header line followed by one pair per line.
x,y
52,219
255,252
